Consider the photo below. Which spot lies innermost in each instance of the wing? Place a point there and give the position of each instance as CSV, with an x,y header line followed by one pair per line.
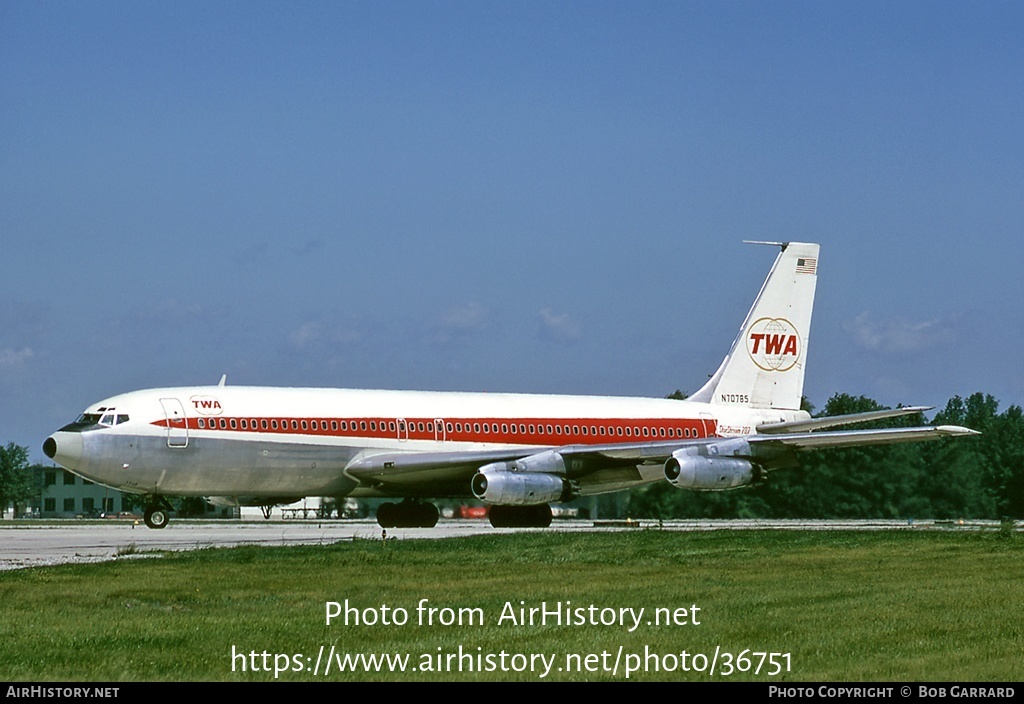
x,y
608,467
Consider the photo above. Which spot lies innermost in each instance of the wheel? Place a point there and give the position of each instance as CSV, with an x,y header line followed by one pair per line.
x,y
538,516
156,517
427,515
387,515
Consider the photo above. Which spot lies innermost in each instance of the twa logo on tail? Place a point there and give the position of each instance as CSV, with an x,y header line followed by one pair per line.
x,y
773,344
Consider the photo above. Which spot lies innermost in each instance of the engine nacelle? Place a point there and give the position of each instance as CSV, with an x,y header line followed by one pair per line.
x,y
687,469
498,486
547,462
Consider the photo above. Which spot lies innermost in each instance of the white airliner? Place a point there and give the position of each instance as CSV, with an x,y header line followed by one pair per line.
x,y
515,452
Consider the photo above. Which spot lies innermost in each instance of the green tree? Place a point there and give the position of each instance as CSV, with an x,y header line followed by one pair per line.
x,y
16,486
994,461
876,481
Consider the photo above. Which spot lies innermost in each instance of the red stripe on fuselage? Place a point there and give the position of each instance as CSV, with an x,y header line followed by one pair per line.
x,y
532,431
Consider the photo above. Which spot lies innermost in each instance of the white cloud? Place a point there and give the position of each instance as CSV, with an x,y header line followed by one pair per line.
x,y
318,335
15,358
558,327
305,335
460,321
471,316
900,335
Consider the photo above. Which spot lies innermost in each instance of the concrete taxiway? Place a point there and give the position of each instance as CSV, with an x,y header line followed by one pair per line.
x,y
51,543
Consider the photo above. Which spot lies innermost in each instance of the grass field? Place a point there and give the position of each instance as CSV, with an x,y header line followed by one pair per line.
x,y
834,606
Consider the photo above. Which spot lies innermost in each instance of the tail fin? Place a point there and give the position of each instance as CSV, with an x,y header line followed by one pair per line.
x,y
765,366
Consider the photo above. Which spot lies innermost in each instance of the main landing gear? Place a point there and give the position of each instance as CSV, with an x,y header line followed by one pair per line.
x,y
408,514
537,516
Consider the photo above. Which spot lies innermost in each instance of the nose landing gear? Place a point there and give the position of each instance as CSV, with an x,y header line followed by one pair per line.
x,y
158,512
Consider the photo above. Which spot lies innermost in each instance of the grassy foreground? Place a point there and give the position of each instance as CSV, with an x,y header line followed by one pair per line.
x,y
845,606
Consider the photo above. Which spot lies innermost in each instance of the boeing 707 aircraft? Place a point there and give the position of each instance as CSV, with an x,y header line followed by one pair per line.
x,y
516,452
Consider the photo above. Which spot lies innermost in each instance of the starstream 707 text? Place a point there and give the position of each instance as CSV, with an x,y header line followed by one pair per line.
x,y
329,661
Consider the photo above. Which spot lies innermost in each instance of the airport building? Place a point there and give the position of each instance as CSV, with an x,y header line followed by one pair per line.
x,y
66,495
63,494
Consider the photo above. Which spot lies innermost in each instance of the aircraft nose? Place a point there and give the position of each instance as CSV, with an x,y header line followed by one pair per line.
x,y
64,448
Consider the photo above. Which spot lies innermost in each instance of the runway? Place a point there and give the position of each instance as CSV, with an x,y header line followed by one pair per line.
x,y
75,541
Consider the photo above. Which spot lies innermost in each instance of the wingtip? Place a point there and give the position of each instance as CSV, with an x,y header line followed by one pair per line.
x,y
956,430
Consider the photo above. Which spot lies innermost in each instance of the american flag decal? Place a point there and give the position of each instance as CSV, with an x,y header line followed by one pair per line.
x,y
806,266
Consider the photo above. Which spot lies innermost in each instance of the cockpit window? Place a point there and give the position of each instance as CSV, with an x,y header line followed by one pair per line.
x,y
88,421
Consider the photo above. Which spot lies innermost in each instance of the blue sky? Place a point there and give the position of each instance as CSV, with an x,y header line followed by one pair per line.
x,y
520,196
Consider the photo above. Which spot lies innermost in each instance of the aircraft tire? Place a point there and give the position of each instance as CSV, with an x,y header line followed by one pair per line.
x,y
541,517
428,515
388,515
407,514
156,517
538,516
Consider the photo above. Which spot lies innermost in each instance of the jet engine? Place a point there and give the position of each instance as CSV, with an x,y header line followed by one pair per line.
x,y
705,469
495,485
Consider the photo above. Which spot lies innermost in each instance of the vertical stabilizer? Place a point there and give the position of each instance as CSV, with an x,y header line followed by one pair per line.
x,y
765,366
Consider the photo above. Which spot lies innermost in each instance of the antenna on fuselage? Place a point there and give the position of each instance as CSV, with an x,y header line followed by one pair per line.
x,y
223,380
